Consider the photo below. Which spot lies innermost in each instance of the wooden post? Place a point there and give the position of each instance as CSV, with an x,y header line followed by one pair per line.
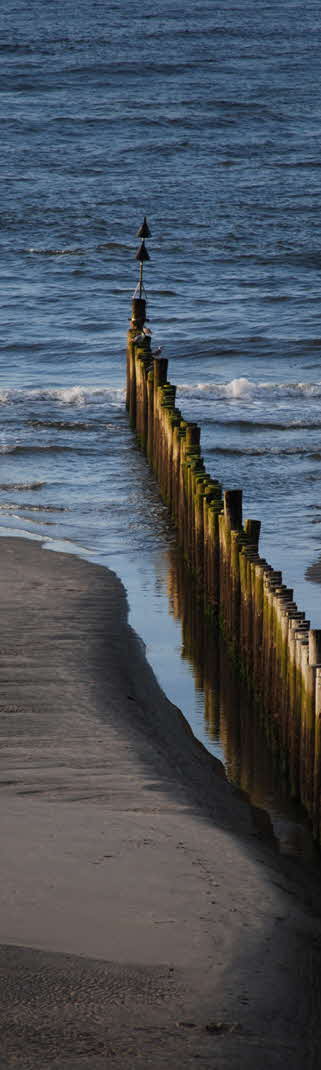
x,y
138,312
214,509
233,509
308,675
317,758
235,589
193,435
176,460
296,632
131,379
315,647
160,366
314,653
252,529
258,579
142,365
150,417
212,491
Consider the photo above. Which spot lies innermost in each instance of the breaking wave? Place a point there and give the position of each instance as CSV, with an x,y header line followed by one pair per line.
x,y
72,395
246,388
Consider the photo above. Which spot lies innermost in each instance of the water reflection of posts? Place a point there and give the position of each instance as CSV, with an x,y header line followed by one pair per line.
x,y
230,713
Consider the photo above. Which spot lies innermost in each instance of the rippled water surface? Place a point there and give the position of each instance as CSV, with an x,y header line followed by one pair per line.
x,y
207,118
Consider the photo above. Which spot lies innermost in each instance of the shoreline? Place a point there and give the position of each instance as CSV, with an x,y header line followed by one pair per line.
x,y
279,820
130,864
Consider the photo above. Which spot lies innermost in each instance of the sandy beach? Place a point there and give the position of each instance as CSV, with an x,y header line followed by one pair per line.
x,y
146,919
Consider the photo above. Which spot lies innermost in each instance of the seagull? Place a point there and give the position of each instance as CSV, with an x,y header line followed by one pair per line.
x,y
156,352
146,330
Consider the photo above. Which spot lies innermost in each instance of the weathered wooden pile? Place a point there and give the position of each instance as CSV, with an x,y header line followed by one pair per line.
x,y
276,649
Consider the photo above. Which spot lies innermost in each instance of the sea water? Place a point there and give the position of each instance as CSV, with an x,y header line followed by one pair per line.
x,y
206,118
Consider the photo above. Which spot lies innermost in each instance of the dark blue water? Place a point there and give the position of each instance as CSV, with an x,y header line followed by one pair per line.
x,y
207,118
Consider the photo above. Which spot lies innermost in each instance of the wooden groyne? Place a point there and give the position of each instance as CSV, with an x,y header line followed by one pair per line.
x,y
232,716
276,650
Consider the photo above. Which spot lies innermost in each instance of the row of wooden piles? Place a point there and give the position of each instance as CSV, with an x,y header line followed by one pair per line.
x,y
231,713
276,649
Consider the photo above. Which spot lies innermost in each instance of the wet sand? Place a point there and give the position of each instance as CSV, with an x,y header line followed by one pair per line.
x,y
145,920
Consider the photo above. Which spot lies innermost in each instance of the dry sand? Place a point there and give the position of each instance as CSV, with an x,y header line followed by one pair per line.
x,y
144,922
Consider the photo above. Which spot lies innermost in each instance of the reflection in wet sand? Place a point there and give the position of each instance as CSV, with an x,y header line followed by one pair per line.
x,y
253,759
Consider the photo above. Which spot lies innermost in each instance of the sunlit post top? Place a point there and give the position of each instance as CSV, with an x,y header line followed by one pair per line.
x,y
139,297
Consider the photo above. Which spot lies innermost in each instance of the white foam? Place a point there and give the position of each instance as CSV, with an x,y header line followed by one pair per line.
x,y
235,388
72,395
69,251
246,388
239,388
79,396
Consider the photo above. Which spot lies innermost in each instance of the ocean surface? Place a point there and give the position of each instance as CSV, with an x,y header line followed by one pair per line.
x,y
206,117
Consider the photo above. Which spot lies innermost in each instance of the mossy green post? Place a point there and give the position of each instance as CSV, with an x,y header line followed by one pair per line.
x,y
150,417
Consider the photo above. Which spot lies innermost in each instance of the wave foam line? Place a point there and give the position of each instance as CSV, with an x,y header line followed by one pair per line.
x,y
245,388
30,507
72,395
55,252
